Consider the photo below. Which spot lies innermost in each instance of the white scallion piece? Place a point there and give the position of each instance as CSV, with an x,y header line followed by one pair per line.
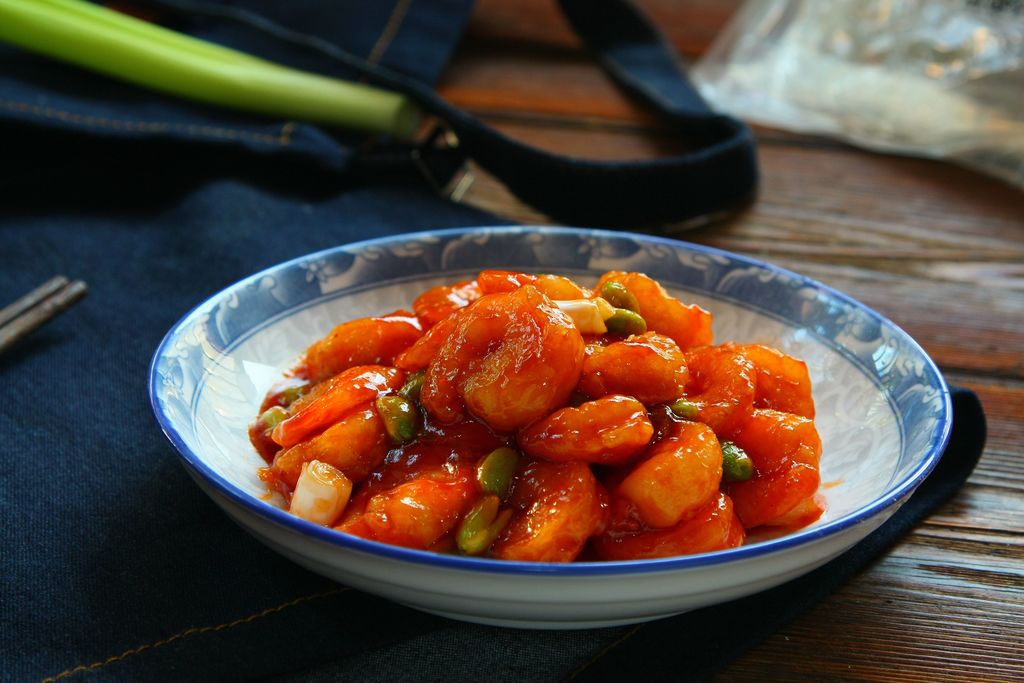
x,y
588,314
321,493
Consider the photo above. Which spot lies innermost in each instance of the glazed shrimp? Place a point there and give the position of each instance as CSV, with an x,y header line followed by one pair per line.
x,y
418,495
334,399
553,286
355,445
558,507
419,355
714,526
773,439
510,359
680,475
721,386
782,382
366,341
437,303
650,367
769,499
785,449
494,281
561,287
609,431
418,513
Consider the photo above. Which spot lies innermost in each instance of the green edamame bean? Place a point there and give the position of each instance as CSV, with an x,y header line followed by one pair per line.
x,y
684,407
625,322
410,391
292,394
617,295
495,471
481,526
736,464
400,417
273,416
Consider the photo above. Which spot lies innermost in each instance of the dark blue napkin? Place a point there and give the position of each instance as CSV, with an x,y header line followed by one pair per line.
x,y
114,564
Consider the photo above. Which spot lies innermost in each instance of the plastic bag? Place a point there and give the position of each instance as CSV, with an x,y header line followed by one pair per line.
x,y
931,78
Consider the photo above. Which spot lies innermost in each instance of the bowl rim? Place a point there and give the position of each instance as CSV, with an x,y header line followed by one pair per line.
x,y
894,494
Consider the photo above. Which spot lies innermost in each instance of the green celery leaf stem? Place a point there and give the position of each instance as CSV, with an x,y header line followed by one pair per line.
x,y
220,76
96,16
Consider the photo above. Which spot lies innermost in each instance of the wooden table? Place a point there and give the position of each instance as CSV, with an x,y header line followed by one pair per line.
x,y
938,249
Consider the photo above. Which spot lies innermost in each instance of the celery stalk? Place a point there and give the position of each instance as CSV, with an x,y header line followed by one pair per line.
x,y
157,58
93,15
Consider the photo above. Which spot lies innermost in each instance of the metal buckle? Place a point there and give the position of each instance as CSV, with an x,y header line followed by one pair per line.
x,y
441,141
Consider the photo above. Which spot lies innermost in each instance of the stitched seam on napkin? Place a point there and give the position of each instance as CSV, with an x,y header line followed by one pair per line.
x,y
194,631
608,648
283,138
390,31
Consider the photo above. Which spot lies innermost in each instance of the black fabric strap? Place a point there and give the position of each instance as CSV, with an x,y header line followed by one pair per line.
x,y
632,51
718,173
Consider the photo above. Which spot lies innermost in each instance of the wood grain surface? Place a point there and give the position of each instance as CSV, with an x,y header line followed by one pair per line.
x,y
936,248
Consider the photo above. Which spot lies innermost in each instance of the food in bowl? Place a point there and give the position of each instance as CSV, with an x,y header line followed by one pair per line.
x,y
881,407
526,417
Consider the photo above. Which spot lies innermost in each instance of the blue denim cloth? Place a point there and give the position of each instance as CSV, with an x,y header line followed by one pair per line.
x,y
114,564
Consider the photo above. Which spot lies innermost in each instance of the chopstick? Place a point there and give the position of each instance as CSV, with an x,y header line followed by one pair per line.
x,y
157,58
32,311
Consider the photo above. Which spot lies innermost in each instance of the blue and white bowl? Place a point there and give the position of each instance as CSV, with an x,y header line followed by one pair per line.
x,y
883,415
